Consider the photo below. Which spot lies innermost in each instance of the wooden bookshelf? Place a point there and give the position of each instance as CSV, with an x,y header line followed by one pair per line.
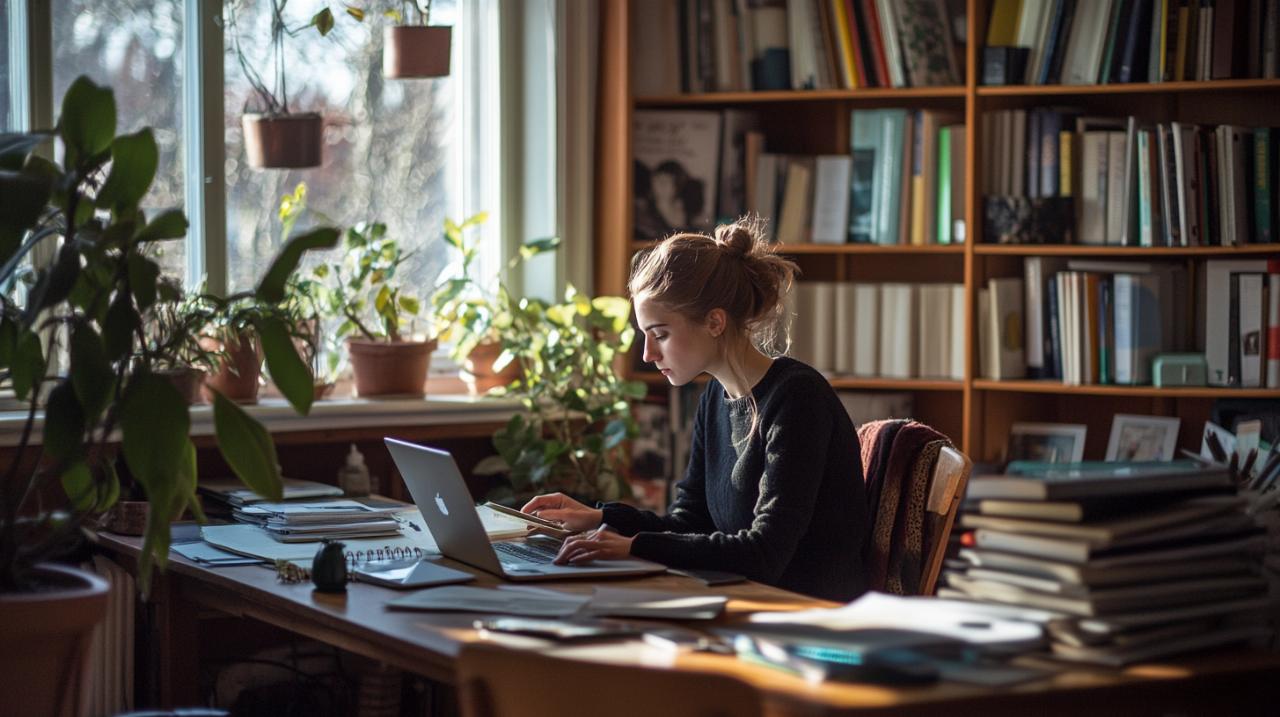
x,y
976,412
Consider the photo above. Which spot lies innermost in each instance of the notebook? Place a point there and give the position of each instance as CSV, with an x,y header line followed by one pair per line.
x,y
441,495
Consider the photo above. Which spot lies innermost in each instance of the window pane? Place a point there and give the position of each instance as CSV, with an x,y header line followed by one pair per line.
x,y
7,121
388,144
135,47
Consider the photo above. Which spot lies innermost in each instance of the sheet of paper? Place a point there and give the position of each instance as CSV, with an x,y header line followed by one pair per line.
x,y
202,552
631,602
953,619
463,598
252,540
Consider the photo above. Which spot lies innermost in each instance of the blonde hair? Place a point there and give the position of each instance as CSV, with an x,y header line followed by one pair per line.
x,y
735,270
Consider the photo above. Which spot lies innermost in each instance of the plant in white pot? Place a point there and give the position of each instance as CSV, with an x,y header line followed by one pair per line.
x,y
274,136
112,414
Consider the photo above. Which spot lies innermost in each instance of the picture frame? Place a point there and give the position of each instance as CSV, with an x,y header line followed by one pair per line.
x,y
1049,442
1143,438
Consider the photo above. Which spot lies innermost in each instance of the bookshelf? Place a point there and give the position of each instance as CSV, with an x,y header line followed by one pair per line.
x,y
975,411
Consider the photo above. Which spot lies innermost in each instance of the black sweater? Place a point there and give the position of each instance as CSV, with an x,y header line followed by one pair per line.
x,y
787,508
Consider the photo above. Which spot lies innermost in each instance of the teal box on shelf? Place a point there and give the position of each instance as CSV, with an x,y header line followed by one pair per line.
x,y
1179,370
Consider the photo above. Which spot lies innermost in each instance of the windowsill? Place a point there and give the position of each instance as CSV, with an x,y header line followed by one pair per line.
x,y
332,413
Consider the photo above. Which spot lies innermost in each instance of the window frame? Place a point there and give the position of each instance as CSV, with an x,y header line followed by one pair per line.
x,y
203,97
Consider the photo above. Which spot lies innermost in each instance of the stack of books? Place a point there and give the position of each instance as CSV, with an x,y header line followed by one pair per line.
x,y
1138,560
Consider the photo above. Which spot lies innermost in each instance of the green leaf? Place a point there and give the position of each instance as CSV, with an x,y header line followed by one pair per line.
x,y
535,247
23,195
323,21
119,326
394,15
78,485
382,299
170,224
88,120
91,373
109,489
272,287
63,423
355,12
155,421
247,447
134,158
143,274
410,304
28,364
56,284
287,369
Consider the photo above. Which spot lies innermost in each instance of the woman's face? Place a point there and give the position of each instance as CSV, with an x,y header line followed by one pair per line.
x,y
679,348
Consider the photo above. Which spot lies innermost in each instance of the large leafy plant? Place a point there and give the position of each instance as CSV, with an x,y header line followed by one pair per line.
x,y
578,408
90,303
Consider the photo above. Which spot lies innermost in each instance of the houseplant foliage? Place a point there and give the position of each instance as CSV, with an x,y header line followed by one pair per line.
x,y
91,302
578,409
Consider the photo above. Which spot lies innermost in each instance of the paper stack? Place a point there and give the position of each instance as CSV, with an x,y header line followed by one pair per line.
x,y
1137,560
302,521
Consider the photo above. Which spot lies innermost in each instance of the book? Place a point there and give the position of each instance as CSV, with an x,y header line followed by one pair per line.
x,y
1066,480
927,49
1110,530
676,158
1112,600
1071,550
732,184
1005,340
1119,656
1096,574
831,199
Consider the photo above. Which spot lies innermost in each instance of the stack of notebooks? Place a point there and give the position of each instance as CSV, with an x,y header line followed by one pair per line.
x,y
1139,560
304,521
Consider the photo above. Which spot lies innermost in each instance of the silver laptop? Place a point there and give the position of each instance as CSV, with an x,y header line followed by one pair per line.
x,y
437,488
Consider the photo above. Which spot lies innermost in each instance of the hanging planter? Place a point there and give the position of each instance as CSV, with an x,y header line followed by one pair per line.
x,y
283,142
416,51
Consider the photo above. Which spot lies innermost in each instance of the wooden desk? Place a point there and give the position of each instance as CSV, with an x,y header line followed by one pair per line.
x,y
1235,682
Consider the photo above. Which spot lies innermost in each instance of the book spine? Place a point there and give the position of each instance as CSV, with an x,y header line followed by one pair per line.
x,y
1233,332
943,212
1053,358
1262,189
1051,157
1273,323
1145,236
1106,337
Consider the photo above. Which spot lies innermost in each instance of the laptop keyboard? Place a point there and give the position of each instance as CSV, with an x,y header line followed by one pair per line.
x,y
530,552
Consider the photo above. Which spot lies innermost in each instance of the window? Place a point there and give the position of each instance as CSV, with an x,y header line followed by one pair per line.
x,y
8,122
135,47
394,150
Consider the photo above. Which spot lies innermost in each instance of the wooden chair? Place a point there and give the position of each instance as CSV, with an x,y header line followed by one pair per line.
x,y
946,490
495,681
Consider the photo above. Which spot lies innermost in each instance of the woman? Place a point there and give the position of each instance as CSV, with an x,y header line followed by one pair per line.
x,y
774,486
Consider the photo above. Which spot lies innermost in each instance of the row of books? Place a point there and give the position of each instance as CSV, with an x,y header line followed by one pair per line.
x,y
889,330
1132,560
1094,321
1136,183
740,45
1075,42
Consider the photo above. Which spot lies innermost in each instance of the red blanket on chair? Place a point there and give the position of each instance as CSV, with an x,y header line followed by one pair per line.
x,y
897,460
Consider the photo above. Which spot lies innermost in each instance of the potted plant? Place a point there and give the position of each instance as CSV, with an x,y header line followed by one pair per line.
x,y
274,136
89,303
379,316
577,406
413,48
472,314
172,328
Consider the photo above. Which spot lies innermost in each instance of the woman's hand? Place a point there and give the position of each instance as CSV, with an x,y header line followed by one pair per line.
x,y
600,544
564,510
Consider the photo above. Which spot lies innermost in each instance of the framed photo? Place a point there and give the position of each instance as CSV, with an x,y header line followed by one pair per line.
x,y
1142,438
1049,442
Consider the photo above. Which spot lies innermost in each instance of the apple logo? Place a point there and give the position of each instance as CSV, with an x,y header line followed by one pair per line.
x,y
440,504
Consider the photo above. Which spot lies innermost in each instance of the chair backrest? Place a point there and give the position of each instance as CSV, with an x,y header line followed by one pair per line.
x,y
946,490
495,681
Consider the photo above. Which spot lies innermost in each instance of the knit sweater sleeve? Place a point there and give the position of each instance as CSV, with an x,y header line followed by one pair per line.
x,y
794,450
688,513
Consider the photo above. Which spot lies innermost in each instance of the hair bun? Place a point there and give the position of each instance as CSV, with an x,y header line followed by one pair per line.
x,y
735,239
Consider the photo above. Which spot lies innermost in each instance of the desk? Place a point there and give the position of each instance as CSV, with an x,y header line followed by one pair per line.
x,y
1235,682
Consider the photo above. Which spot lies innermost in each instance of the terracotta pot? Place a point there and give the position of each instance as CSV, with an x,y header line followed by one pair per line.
x,y
322,390
410,51
44,642
189,382
477,370
128,517
287,141
384,368
240,385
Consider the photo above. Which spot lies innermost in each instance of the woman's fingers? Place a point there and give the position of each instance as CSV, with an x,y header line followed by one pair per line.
x,y
542,502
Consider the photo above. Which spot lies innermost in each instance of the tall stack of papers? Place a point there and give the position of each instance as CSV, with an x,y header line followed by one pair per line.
x,y
301,521
1135,560
232,492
